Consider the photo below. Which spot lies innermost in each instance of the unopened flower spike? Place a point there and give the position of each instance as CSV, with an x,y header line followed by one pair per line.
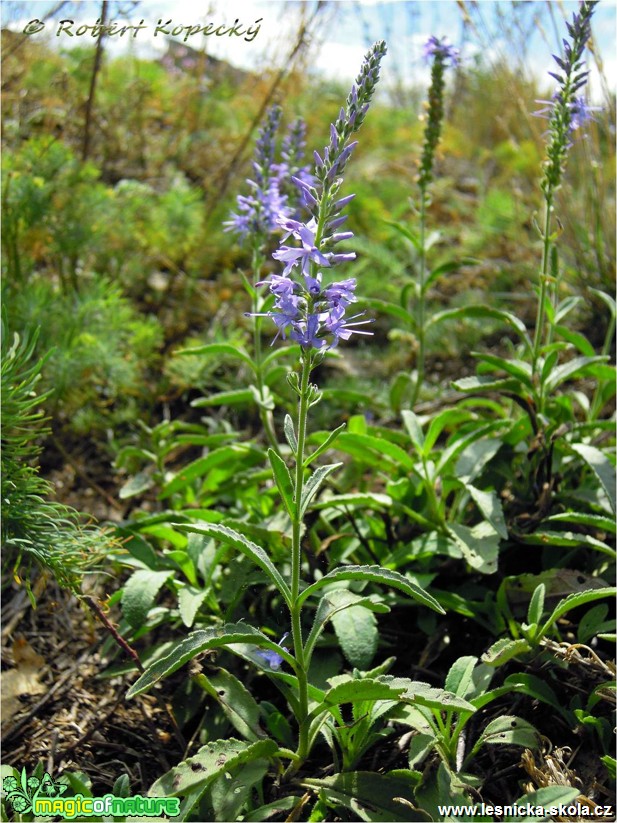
x,y
567,111
439,54
306,309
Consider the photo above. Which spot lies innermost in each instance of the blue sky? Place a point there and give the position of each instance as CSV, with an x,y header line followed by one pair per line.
x,y
502,29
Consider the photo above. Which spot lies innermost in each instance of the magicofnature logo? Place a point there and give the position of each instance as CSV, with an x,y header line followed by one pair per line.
x,y
43,797
22,793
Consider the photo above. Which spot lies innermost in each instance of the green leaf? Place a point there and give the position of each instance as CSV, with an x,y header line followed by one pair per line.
x,y
414,430
383,798
517,368
490,506
566,306
357,634
199,641
357,691
475,457
575,539
459,679
482,311
575,600
237,453
510,730
283,479
536,604
576,339
238,704
400,387
325,445
485,383
251,550
211,760
573,368
290,434
368,500
237,397
448,267
413,238
337,601
505,649
424,694
547,797
360,443
537,689
189,601
596,521
141,482
231,792
393,309
139,594
219,348
602,468
611,764
277,807
445,418
311,487
479,545
374,574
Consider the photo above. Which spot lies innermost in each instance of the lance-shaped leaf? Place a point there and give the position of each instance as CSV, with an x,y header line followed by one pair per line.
x,y
601,466
509,729
325,445
360,444
235,397
211,760
237,702
371,796
424,694
479,545
490,506
449,266
483,311
284,483
573,368
332,603
358,636
237,453
220,348
238,541
359,691
572,601
505,649
374,574
366,500
198,642
576,539
311,487
290,434
139,594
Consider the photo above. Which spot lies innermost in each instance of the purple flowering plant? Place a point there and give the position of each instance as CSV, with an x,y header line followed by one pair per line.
x,y
272,195
567,112
310,309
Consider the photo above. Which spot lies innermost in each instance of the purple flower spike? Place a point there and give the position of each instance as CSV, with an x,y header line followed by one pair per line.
x,y
341,294
439,49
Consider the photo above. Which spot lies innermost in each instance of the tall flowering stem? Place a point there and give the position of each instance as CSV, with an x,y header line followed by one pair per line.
x,y
566,112
312,312
440,55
